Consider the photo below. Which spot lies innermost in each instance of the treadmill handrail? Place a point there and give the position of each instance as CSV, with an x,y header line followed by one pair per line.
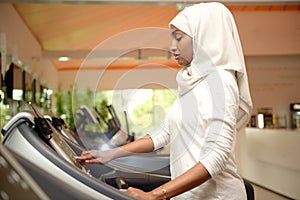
x,y
28,116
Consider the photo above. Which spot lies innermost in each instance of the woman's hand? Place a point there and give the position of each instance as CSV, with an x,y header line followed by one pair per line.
x,y
95,156
139,194
142,145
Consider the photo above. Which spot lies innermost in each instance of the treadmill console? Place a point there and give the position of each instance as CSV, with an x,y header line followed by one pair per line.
x,y
51,135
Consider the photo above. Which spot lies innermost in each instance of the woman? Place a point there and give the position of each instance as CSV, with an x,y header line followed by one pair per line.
x,y
213,102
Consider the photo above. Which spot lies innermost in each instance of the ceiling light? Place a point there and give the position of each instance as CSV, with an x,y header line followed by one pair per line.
x,y
63,58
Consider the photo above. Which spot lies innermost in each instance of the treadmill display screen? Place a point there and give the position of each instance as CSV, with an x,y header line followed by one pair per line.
x,y
64,150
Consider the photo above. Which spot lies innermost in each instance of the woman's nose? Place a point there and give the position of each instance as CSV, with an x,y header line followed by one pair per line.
x,y
173,46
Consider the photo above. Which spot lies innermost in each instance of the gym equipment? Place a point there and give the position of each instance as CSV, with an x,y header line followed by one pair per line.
x,y
35,138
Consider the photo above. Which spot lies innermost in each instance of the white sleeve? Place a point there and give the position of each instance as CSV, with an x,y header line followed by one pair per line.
x,y
221,123
161,136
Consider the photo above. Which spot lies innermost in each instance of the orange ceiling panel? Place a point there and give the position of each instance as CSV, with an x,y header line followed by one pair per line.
x,y
77,26
81,27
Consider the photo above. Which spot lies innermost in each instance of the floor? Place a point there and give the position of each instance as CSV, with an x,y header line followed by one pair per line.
x,y
263,194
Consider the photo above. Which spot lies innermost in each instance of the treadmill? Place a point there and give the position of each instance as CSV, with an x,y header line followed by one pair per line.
x,y
151,163
33,137
146,163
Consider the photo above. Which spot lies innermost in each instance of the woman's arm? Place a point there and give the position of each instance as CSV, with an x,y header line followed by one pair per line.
x,y
185,182
142,145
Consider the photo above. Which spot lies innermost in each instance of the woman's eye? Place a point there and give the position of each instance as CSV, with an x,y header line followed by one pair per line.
x,y
178,37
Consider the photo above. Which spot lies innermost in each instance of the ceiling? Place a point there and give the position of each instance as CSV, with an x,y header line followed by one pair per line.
x,y
110,30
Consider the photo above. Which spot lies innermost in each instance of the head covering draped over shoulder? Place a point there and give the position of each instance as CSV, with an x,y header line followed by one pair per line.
x,y
216,43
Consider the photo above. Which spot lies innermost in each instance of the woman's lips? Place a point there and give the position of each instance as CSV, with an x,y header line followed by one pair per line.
x,y
176,56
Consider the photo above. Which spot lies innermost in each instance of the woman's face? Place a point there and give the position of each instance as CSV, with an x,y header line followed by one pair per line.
x,y
181,47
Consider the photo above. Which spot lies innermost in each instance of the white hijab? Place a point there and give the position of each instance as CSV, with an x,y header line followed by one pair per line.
x,y
216,43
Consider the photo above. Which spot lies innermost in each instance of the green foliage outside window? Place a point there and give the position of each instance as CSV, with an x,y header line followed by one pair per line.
x,y
145,111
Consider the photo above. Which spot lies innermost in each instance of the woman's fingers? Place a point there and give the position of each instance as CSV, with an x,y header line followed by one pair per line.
x,y
94,156
89,157
92,161
136,193
85,155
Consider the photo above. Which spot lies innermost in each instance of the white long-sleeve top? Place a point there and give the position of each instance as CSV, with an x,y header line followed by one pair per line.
x,y
201,127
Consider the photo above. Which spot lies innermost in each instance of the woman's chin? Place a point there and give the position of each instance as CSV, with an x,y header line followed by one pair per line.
x,y
183,64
